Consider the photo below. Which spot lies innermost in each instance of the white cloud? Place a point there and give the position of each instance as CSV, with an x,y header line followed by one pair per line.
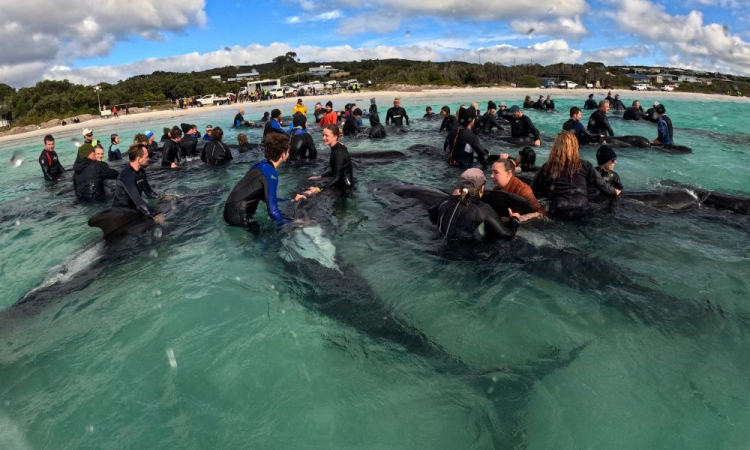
x,y
549,52
322,17
370,23
685,40
558,27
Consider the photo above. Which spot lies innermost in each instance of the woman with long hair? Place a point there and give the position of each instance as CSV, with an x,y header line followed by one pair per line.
x,y
565,178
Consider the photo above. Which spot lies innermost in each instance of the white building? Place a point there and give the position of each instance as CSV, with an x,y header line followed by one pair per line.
x,y
322,71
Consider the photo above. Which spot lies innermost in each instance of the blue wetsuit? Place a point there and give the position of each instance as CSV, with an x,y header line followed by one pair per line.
x,y
259,183
664,136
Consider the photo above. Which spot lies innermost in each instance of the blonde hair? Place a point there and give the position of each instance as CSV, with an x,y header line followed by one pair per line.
x,y
563,157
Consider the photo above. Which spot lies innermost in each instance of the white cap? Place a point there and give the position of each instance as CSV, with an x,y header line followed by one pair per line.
x,y
87,131
656,104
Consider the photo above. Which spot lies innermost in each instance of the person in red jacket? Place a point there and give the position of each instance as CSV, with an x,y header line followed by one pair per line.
x,y
330,117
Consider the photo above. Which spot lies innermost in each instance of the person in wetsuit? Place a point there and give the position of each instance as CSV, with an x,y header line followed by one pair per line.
x,y
575,126
465,217
260,183
565,179
165,137
449,121
170,154
377,130
373,106
90,173
549,103
243,144
273,125
428,114
48,160
209,133
539,104
526,167
396,114
189,143
132,183
606,158
489,120
339,174
114,153
590,103
522,127
350,126
635,112
319,112
527,102
617,104
598,122
664,127
216,152
462,143
651,115
266,117
239,119
503,174
301,144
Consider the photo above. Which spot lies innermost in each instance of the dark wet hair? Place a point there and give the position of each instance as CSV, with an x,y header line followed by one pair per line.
x,y
135,151
429,108
333,128
242,139
276,144
446,109
140,138
574,110
218,134
166,131
113,137
175,133
48,138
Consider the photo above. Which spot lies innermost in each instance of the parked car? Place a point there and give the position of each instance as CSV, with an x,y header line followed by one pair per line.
x,y
567,85
208,100
276,92
668,88
639,87
590,85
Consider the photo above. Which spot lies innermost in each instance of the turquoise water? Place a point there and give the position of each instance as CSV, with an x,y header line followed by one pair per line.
x,y
661,310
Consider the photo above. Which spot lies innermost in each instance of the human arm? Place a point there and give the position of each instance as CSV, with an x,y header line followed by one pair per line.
x,y
388,116
270,185
595,180
494,228
406,116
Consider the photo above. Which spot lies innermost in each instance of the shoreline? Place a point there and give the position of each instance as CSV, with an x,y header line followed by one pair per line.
x,y
479,94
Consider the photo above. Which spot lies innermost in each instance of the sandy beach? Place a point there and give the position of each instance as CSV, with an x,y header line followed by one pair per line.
x,y
384,99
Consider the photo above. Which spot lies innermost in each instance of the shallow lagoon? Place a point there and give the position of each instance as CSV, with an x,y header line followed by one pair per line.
x,y
254,367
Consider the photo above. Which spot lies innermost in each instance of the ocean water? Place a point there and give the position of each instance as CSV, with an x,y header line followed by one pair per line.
x,y
629,330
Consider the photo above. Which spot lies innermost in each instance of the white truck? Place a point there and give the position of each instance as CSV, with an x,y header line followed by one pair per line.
x,y
211,99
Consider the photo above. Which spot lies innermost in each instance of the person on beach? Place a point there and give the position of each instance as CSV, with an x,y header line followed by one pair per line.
x,y
48,160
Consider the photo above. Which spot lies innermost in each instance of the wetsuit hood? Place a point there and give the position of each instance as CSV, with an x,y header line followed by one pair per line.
x,y
374,119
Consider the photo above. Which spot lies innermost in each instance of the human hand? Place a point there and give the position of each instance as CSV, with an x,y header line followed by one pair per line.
x,y
173,166
314,177
618,191
514,214
159,219
504,156
299,197
537,143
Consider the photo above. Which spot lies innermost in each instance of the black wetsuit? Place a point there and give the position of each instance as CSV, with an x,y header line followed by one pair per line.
x,y
239,120
528,103
216,153
350,126
539,104
450,122
114,154
651,115
612,178
591,104
301,145
377,130
89,177
129,188
51,167
319,115
259,183
340,170
487,122
617,105
461,144
189,146
549,104
396,116
570,196
170,153
152,148
633,113
599,124
470,221
523,127
577,128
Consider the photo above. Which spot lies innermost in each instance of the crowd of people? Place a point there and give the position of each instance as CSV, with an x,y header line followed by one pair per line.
x,y
565,182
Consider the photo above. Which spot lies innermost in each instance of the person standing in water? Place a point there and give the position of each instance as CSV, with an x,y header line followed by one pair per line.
x,y
607,158
339,173
598,122
664,127
48,160
396,114
90,173
260,183
464,217
114,154
132,183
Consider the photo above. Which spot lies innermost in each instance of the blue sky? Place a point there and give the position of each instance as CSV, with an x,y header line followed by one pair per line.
x,y
99,42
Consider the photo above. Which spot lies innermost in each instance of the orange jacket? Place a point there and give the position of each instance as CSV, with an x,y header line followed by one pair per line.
x,y
330,118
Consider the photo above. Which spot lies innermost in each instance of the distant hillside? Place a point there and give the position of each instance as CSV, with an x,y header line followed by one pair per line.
x,y
58,99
